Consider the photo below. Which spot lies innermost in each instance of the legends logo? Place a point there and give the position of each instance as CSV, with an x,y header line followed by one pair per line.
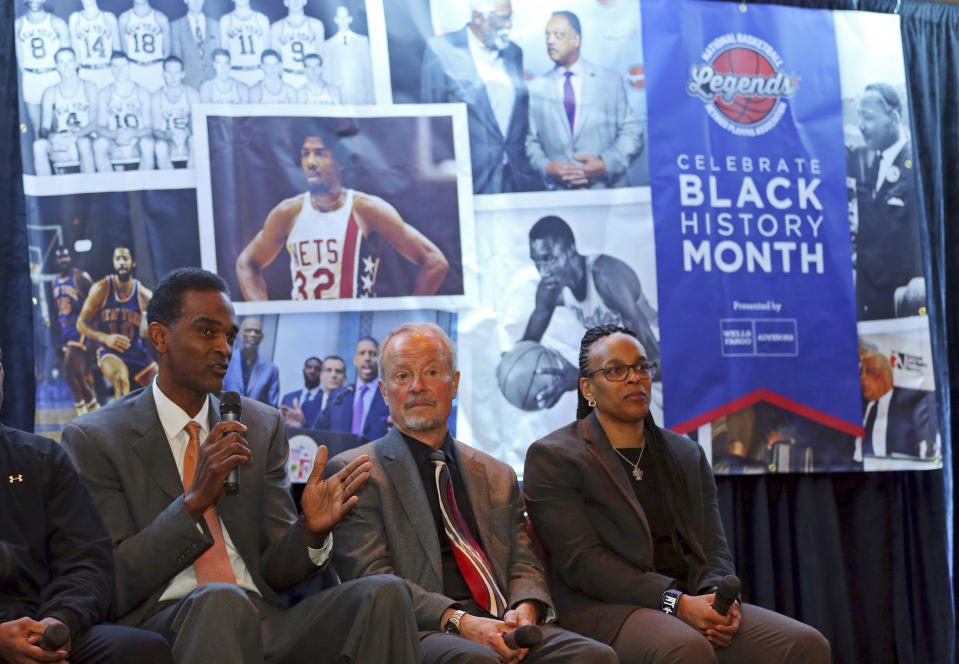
x,y
742,83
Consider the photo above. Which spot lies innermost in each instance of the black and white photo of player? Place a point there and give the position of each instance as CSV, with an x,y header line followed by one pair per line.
x,y
551,270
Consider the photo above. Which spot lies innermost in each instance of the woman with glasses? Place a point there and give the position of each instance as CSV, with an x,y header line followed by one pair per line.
x,y
629,515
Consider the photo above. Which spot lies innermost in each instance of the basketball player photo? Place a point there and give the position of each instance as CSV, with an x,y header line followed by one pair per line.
x,y
552,267
334,213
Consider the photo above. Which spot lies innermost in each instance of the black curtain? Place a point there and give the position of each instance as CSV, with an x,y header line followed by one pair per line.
x,y
862,557
865,557
930,35
16,317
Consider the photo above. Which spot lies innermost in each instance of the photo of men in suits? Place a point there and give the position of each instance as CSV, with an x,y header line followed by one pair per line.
x,y
582,131
886,244
203,567
303,408
250,374
480,66
308,400
194,37
449,520
896,420
359,408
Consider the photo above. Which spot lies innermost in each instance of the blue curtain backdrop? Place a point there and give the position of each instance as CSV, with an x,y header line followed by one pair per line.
x,y
863,557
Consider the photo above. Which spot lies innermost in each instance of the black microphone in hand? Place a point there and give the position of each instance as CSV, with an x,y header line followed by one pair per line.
x,y
230,412
526,636
726,594
54,637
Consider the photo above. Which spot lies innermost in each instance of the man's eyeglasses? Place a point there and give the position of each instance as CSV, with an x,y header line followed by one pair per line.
x,y
619,372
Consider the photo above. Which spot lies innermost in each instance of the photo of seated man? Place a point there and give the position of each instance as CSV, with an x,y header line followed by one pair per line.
x,y
68,117
172,118
126,121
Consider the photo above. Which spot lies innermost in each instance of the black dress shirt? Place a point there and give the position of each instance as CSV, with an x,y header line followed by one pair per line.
x,y
667,544
454,585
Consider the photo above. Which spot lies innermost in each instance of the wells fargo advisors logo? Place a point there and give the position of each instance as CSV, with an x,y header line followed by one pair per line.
x,y
743,84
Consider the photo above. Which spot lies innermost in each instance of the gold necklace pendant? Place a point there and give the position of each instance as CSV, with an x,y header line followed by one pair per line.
x,y
637,473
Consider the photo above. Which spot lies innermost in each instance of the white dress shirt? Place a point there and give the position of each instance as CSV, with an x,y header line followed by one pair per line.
x,y
878,427
306,395
576,80
499,86
174,420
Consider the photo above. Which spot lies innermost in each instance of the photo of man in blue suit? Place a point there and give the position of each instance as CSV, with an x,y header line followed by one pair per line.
x,y
359,408
249,374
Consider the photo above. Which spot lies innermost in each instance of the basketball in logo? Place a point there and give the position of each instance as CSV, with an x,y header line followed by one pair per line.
x,y
742,82
744,62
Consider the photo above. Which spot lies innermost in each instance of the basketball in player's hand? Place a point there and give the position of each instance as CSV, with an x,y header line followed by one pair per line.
x,y
527,372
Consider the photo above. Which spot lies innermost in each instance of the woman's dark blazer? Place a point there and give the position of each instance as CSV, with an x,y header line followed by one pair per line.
x,y
583,508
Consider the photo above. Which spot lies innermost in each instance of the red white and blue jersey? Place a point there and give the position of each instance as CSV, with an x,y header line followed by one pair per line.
x,y
328,255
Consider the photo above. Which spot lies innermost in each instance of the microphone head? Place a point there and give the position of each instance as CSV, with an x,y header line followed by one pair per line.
x,y
729,587
54,637
726,593
230,404
528,636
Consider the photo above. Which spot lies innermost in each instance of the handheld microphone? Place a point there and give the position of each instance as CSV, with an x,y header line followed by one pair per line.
x,y
230,412
54,637
526,636
726,594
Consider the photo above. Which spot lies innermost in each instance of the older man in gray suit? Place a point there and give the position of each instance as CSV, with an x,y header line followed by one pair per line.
x,y
480,66
449,520
582,131
195,36
201,567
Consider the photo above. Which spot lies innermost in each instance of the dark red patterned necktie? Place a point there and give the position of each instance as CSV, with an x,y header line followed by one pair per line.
x,y
470,559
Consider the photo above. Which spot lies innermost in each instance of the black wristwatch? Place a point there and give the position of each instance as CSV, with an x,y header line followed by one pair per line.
x,y
453,624
671,601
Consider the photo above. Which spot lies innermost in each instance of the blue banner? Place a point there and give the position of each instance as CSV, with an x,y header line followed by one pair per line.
x,y
750,209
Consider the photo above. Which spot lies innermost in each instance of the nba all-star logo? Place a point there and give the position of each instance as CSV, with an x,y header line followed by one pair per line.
x,y
743,84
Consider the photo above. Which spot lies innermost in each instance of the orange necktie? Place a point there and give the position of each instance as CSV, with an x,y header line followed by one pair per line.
x,y
213,565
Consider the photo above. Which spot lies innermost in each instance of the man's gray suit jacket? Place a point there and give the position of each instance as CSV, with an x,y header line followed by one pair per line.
x,y
123,455
606,125
391,529
184,46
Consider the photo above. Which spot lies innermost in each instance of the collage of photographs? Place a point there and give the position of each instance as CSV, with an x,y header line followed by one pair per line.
x,y
349,165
